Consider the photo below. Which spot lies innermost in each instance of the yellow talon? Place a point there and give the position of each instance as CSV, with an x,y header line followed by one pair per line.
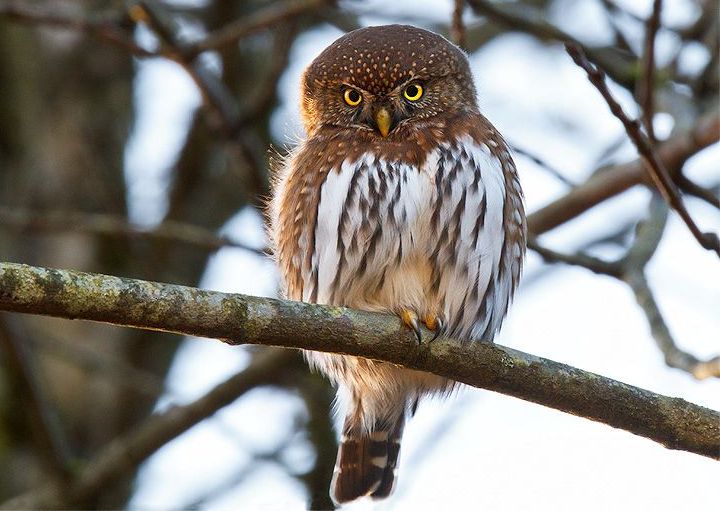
x,y
431,321
410,318
434,324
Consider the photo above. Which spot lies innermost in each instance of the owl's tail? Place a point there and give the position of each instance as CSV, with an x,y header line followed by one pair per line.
x,y
366,462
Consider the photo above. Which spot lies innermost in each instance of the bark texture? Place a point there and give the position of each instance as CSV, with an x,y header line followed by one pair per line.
x,y
240,319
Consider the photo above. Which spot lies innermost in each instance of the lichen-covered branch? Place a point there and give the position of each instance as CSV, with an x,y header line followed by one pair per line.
x,y
238,319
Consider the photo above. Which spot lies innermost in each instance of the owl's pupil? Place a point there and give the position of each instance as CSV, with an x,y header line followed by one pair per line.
x,y
412,90
354,96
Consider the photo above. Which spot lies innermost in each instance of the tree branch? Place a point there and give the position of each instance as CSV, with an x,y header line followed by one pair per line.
x,y
594,264
127,452
216,96
33,400
237,319
630,269
247,25
525,18
659,174
674,152
115,226
550,169
646,86
674,356
457,27
112,30
709,195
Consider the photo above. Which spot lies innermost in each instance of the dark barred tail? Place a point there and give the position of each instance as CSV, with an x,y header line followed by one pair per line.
x,y
366,462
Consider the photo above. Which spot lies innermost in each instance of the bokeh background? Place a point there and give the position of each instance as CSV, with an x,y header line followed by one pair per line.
x,y
125,151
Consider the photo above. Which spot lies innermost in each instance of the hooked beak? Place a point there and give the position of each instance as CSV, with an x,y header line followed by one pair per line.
x,y
383,121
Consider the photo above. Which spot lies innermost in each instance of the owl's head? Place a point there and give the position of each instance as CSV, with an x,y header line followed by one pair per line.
x,y
387,80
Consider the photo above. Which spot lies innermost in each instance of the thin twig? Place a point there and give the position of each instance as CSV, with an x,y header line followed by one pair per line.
x,y
34,401
674,356
646,86
248,25
554,172
126,453
266,91
631,270
233,481
654,165
215,94
612,10
229,119
117,31
599,266
113,30
118,227
648,236
710,195
522,17
612,181
239,319
457,27
594,264
611,5
100,364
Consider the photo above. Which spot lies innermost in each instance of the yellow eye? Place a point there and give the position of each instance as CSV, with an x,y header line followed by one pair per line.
x,y
352,97
413,92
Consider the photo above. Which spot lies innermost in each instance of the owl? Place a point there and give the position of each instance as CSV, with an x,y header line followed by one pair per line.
x,y
404,199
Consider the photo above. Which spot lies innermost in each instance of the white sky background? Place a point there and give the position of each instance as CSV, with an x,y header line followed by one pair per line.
x,y
479,449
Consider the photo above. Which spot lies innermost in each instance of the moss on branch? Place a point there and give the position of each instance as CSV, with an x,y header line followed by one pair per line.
x,y
239,319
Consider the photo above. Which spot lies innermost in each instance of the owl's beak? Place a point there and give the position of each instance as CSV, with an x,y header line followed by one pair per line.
x,y
383,121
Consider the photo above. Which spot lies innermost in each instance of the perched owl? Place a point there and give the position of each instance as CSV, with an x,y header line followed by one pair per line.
x,y
404,199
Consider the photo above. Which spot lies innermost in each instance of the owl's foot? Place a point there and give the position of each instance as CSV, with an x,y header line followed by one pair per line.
x,y
432,321
410,318
435,324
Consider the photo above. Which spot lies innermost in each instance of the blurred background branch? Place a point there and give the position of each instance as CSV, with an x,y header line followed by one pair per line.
x,y
658,173
117,227
128,452
674,152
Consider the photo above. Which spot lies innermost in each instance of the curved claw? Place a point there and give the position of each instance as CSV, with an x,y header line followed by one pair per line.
x,y
410,319
439,328
436,324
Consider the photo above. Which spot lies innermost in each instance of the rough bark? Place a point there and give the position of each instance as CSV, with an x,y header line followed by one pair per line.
x,y
239,319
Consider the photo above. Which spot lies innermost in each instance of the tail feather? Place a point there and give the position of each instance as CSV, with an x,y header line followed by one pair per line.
x,y
387,484
366,462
